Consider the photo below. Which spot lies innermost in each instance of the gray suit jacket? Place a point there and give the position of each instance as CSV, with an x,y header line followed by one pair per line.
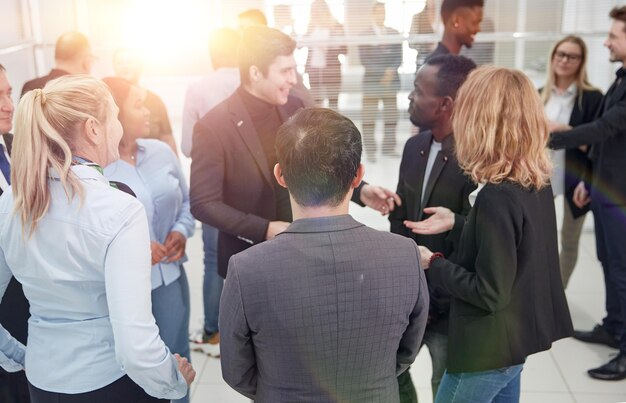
x,y
328,311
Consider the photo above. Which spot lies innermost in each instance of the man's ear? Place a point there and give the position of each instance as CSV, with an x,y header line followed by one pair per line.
x,y
254,73
278,174
360,172
447,104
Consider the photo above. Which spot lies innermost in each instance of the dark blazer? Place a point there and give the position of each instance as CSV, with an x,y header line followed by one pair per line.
x,y
507,295
232,188
376,59
41,82
328,311
447,187
577,162
607,135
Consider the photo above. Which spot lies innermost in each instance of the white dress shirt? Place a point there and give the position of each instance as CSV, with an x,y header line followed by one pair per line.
x,y
86,273
559,109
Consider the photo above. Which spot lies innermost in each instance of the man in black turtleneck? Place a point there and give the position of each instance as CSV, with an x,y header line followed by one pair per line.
x,y
233,154
233,157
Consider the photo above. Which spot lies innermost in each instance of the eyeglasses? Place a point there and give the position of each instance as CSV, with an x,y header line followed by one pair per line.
x,y
568,57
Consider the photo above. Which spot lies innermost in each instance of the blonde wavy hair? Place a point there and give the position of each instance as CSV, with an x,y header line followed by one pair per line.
x,y
500,129
47,124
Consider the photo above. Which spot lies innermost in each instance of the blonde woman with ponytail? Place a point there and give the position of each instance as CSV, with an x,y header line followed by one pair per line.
x,y
81,250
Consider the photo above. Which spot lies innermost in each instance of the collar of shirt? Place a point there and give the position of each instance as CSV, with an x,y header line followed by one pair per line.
x,y
84,172
570,91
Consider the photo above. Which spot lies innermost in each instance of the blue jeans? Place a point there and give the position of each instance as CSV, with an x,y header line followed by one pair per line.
x,y
170,307
497,386
213,283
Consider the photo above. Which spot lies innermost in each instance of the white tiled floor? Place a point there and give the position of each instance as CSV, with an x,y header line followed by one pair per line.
x,y
555,376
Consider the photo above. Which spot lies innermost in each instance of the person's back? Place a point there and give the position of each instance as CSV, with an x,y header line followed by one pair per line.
x,y
66,288
329,310
328,302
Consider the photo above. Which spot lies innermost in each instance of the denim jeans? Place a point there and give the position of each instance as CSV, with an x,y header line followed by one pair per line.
x,y
497,386
213,283
170,307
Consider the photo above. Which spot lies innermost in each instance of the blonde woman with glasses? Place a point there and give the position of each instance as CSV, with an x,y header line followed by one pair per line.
x,y
507,297
81,250
569,99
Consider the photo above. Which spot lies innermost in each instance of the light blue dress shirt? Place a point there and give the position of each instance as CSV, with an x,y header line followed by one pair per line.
x,y
85,272
158,181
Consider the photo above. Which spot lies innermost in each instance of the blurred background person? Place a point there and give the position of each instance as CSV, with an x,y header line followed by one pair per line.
x,y
91,329
381,82
201,97
461,22
129,66
570,99
72,55
422,24
507,299
152,171
14,305
323,65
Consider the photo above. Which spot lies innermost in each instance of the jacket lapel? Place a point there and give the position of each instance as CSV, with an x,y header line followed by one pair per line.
x,y
440,162
242,122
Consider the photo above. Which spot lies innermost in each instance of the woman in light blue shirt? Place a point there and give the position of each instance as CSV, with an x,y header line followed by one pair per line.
x,y
152,171
80,248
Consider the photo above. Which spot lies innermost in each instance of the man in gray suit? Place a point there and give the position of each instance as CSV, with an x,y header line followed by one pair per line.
x,y
329,310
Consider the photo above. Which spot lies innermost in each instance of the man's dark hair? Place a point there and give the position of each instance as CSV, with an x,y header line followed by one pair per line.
x,y
255,15
223,46
70,45
449,6
319,152
260,46
453,71
619,14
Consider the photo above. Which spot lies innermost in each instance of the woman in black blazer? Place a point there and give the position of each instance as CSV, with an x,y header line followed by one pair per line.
x,y
507,296
568,98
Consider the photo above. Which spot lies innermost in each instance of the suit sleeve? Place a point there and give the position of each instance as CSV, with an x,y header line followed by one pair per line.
x,y
459,218
207,189
498,229
610,124
12,352
239,368
412,337
399,213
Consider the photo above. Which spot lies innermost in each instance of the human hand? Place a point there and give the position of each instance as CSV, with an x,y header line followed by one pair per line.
x,y
581,196
185,369
557,127
175,246
275,228
158,252
379,198
425,255
441,220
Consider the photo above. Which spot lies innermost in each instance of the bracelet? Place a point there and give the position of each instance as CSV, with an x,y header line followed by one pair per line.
x,y
434,256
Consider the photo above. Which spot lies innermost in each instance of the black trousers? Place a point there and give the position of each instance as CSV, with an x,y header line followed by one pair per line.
x,y
13,387
122,390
